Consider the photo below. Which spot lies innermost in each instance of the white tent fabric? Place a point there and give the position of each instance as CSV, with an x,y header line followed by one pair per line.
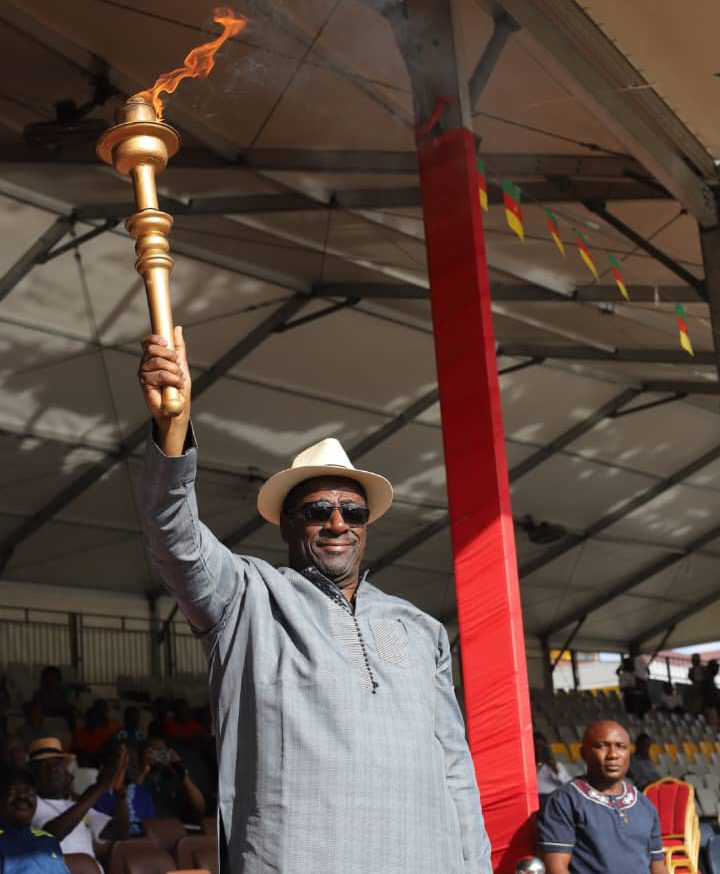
x,y
324,81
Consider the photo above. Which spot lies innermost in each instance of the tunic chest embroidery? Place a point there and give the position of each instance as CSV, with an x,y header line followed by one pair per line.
x,y
391,641
346,630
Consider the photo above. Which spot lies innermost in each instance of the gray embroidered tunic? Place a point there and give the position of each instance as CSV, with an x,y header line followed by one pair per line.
x,y
341,744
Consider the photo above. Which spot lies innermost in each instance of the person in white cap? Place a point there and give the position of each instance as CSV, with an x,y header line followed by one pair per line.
x,y
341,746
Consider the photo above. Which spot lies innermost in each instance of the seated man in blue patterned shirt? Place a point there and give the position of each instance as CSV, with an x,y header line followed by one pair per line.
x,y
599,824
24,849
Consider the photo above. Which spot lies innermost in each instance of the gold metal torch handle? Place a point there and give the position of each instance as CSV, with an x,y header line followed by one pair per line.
x,y
150,229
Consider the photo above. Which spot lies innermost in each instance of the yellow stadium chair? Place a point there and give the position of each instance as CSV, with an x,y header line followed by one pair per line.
x,y
707,747
559,749
671,750
655,753
717,746
575,748
690,749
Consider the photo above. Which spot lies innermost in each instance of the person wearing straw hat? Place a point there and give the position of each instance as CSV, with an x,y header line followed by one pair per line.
x,y
72,820
341,746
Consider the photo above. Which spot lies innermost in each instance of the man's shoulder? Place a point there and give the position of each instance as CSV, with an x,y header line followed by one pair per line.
x,y
571,790
400,607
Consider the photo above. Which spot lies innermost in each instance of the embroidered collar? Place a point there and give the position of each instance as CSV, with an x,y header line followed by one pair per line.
x,y
624,801
320,581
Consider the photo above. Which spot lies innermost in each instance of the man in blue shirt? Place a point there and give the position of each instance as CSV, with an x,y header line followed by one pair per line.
x,y
599,824
23,849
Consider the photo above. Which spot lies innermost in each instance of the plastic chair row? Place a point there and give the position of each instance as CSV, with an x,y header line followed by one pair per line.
x,y
145,856
196,850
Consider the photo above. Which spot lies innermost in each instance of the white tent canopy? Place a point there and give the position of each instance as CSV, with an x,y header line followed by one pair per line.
x,y
296,191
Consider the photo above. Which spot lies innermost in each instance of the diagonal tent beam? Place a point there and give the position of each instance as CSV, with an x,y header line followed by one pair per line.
x,y
417,539
34,255
593,69
606,411
108,225
601,210
591,353
514,474
622,512
631,583
90,476
503,28
691,610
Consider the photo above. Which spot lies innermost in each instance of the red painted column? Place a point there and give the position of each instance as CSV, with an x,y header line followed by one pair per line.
x,y
488,598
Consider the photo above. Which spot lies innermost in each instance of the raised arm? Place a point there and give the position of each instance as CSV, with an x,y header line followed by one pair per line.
x,y
459,767
194,566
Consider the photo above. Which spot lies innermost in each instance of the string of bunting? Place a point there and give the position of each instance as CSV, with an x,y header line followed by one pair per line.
x,y
512,196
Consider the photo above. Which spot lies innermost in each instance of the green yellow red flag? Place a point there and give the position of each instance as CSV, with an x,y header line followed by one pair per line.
x,y
685,341
553,228
482,182
513,213
615,265
585,253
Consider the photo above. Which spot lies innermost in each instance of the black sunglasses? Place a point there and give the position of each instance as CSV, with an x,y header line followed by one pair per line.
x,y
353,515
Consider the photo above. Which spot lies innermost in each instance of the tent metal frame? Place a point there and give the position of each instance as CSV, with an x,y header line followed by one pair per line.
x,y
686,180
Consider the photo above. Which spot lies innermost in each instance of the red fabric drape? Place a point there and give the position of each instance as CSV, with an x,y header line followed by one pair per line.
x,y
491,631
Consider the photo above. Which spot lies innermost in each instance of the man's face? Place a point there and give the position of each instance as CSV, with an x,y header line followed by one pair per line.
x,y
606,751
334,547
17,806
52,777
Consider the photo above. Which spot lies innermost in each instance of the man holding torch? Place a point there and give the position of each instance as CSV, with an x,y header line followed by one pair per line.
x,y
340,742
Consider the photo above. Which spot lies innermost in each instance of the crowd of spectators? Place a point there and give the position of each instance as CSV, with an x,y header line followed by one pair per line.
x,y
106,777
162,764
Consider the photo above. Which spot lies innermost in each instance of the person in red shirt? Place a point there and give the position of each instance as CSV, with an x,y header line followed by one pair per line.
x,y
182,724
89,739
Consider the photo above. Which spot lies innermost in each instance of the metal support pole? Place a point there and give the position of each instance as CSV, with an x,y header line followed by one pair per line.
x,y
667,668
601,210
504,27
549,682
567,643
34,255
155,641
661,646
429,36
167,624
169,653
74,628
710,243
573,662
478,493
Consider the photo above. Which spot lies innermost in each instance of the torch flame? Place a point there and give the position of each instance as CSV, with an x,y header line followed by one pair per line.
x,y
198,63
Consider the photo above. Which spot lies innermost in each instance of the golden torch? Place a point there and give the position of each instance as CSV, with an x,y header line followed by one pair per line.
x,y
139,146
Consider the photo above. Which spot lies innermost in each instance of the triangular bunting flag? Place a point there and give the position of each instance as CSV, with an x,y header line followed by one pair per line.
x,y
553,228
685,341
482,182
615,264
513,213
584,252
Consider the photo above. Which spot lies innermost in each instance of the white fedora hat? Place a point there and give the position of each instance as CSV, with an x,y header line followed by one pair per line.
x,y
326,458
